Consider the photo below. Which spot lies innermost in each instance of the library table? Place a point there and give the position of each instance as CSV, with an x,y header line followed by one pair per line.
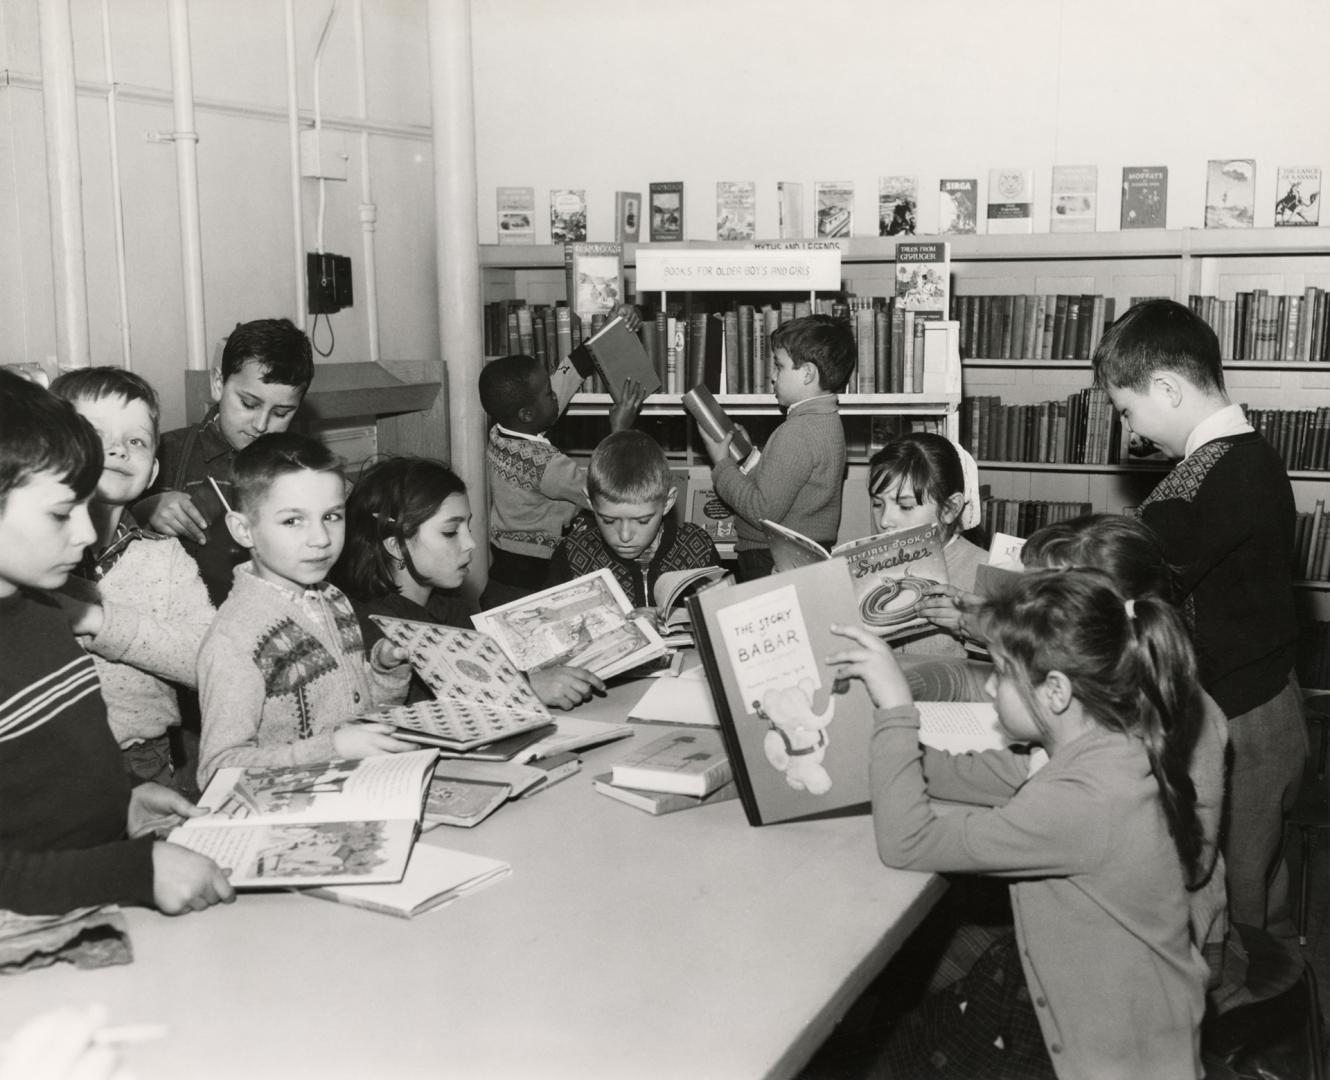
x,y
621,945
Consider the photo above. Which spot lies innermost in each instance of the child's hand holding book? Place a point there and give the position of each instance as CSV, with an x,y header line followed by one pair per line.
x,y
565,687
623,414
357,739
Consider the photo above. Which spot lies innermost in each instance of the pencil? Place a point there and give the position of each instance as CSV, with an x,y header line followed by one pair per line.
x,y
225,505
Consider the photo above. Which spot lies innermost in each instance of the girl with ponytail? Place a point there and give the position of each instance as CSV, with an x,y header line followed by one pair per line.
x,y
1101,977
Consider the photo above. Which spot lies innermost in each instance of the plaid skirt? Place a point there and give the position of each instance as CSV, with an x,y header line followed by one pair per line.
x,y
983,1027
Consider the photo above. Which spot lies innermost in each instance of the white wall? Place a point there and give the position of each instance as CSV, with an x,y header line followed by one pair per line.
x,y
613,94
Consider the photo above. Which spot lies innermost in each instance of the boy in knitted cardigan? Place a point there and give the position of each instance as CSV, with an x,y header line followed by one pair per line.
x,y
283,670
138,602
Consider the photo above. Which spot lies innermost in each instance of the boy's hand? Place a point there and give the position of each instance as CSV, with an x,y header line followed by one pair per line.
x,y
565,687
871,660
945,606
154,808
632,318
717,449
184,880
385,655
85,617
174,513
623,414
357,740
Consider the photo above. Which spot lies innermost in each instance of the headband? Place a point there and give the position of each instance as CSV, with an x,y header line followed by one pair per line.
x,y
970,512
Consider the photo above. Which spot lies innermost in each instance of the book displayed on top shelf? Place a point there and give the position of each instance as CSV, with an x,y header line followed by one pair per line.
x,y
1230,193
517,215
617,355
666,211
326,823
923,278
583,623
435,877
736,209
567,215
958,206
594,279
1298,195
686,763
1032,327
1144,196
1075,198
627,216
794,734
897,205
790,206
891,572
833,202
1010,201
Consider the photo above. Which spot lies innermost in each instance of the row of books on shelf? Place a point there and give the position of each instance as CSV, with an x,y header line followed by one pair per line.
x,y
1021,517
1259,327
1082,429
1058,326
1313,662
1300,436
1311,544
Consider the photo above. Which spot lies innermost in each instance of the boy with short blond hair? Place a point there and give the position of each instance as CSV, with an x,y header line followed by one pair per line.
x,y
798,480
146,609
629,528
282,671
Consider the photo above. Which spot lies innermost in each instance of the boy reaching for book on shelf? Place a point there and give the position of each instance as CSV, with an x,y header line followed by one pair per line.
x,y
799,478
535,489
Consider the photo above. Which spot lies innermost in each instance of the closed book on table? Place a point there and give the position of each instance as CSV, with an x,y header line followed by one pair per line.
x,y
687,763
661,802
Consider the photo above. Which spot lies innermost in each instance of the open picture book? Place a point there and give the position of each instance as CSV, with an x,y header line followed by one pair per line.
x,y
586,623
328,823
673,588
892,572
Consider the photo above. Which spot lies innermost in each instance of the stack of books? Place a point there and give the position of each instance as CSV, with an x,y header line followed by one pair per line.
x,y
674,772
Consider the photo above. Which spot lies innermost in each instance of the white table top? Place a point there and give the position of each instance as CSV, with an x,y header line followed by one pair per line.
x,y
621,945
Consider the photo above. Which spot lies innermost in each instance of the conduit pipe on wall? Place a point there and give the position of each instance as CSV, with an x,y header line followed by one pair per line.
x,y
369,213
117,197
64,181
293,132
186,141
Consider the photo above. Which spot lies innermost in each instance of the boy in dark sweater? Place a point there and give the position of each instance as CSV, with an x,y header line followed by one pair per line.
x,y
1225,516
71,832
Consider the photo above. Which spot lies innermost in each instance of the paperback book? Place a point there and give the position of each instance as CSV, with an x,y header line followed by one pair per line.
x,y
834,200
586,622
923,278
736,209
1230,193
794,732
1075,198
461,801
897,205
958,206
1298,195
593,273
436,876
684,763
517,215
327,823
567,215
666,210
672,589
1144,196
627,216
1010,201
661,802
790,207
617,355
892,572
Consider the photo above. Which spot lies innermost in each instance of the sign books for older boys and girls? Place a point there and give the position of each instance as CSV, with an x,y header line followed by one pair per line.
x,y
666,210
958,206
1230,193
790,208
795,734
616,353
627,216
517,215
892,572
567,215
684,762
736,209
897,205
834,208
436,876
585,623
329,823
1298,195
1010,201
1075,198
1144,196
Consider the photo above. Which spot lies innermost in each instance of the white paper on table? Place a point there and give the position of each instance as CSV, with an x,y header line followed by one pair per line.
x,y
960,726
685,700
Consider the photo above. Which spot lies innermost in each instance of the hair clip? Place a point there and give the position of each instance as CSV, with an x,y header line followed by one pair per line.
x,y
1130,605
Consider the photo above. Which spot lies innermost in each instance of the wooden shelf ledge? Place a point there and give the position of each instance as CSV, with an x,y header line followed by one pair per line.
x,y
339,391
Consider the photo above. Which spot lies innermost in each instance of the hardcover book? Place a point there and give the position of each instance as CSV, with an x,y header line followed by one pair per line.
x,y
897,205
923,278
1010,201
462,802
666,210
1298,195
517,215
795,734
661,802
708,511
1144,196
834,200
436,876
685,763
1230,193
958,206
586,622
567,215
736,209
703,407
617,355
593,274
790,204
892,572
1075,198
627,216
327,823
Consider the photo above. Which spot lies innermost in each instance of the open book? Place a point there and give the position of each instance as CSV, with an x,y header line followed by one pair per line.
x,y
892,572
327,823
673,587
586,623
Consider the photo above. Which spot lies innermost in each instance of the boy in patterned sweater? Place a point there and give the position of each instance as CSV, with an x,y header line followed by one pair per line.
x,y
283,670
629,527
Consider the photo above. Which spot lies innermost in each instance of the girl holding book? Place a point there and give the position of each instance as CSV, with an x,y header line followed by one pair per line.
x,y
407,552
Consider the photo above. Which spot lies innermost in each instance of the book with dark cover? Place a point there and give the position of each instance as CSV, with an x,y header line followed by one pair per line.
x,y
897,205
666,209
708,511
711,418
1144,196
616,353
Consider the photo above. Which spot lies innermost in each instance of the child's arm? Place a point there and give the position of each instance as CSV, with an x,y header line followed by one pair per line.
x,y
48,882
174,514
771,489
389,673
565,687
565,480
